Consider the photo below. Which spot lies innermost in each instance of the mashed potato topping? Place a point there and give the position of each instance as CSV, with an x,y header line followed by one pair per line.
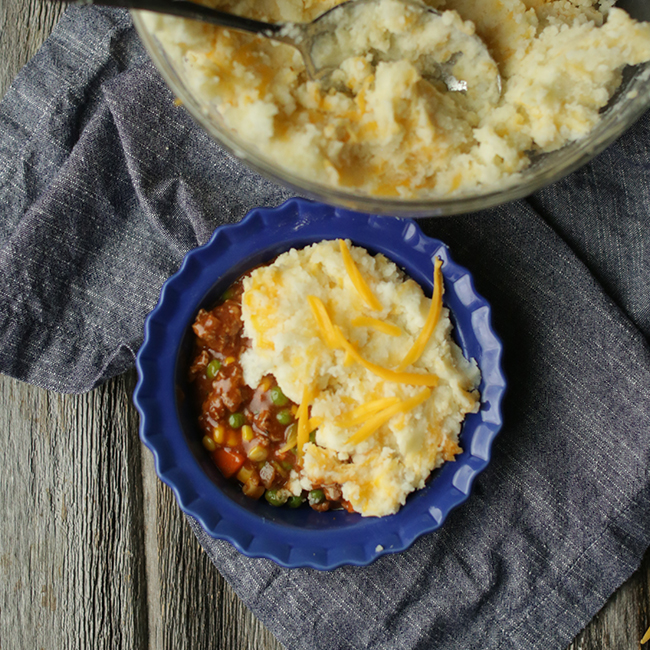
x,y
335,333
388,128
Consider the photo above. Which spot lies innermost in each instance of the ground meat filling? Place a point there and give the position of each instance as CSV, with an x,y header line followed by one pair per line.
x,y
251,434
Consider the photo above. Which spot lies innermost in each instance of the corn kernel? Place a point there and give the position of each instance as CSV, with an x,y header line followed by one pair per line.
x,y
266,383
258,453
208,443
247,432
219,434
294,410
245,474
233,438
229,360
253,491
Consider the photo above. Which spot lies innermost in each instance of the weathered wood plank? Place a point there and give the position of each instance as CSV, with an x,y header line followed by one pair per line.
x,y
71,540
23,27
194,607
76,571
622,622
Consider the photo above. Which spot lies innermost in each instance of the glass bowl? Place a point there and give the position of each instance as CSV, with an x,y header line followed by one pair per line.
x,y
630,101
304,537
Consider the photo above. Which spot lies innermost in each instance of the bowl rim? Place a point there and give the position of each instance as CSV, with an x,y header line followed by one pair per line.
x,y
635,102
231,250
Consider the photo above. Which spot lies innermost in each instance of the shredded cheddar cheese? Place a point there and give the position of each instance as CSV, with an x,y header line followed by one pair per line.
x,y
412,378
357,279
364,411
303,420
323,321
379,325
432,319
334,338
377,420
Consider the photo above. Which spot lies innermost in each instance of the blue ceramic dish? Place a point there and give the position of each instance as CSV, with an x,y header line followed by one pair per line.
x,y
304,537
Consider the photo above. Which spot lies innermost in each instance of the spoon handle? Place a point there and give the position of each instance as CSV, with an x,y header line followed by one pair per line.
x,y
194,11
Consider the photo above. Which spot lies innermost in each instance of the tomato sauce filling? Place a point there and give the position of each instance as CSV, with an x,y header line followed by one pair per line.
x,y
250,433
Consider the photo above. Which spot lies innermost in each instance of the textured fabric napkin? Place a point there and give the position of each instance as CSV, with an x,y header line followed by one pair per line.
x,y
105,184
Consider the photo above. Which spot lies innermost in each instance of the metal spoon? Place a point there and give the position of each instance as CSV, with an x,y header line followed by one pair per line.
x,y
317,41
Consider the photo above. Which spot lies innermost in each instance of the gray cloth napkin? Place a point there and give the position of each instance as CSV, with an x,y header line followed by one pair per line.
x,y
105,184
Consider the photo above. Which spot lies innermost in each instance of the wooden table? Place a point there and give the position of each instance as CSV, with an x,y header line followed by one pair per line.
x,y
94,552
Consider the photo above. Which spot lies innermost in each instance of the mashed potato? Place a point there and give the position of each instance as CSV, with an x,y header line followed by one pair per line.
x,y
388,129
381,429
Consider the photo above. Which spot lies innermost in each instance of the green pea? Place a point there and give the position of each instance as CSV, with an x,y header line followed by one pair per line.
x,y
236,420
276,497
227,294
278,397
312,436
284,416
212,368
316,496
295,502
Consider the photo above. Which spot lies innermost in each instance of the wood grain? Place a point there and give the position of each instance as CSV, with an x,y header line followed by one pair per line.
x,y
85,561
94,552
623,621
191,606
71,543
24,25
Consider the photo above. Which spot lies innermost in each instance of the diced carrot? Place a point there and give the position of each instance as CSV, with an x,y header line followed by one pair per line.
x,y
228,461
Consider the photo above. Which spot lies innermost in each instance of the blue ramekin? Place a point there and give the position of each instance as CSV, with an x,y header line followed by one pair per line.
x,y
304,537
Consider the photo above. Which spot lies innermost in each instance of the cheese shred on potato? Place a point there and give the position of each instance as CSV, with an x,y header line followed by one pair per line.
x,y
380,430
